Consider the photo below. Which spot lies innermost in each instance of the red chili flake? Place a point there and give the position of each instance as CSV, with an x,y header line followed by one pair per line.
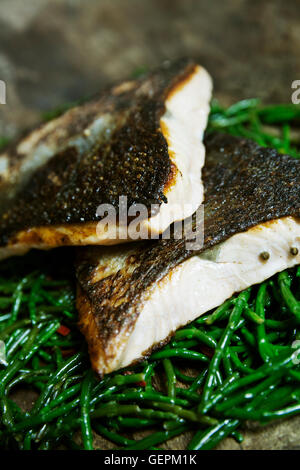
x,y
127,372
141,384
63,330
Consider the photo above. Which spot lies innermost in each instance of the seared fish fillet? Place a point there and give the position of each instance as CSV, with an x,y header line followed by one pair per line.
x,y
141,139
132,298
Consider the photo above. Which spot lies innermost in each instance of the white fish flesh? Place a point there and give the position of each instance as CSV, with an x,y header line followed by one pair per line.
x,y
132,298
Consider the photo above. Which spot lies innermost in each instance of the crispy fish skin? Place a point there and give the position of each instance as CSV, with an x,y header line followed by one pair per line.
x,y
247,187
122,143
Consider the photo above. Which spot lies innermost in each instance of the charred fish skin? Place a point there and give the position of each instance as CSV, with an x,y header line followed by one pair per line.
x,y
247,189
121,143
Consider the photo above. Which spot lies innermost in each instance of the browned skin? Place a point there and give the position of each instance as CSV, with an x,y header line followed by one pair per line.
x,y
128,157
245,185
89,324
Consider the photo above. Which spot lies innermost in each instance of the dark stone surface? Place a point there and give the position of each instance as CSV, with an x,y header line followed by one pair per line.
x,y
53,51
60,50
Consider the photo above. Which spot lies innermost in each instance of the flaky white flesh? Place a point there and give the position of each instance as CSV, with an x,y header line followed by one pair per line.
x,y
183,125
204,282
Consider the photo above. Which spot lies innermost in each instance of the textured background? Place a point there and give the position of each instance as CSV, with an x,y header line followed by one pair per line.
x,y
53,51
56,51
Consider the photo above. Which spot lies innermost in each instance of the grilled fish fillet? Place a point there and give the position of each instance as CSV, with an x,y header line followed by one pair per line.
x,y
131,298
141,139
